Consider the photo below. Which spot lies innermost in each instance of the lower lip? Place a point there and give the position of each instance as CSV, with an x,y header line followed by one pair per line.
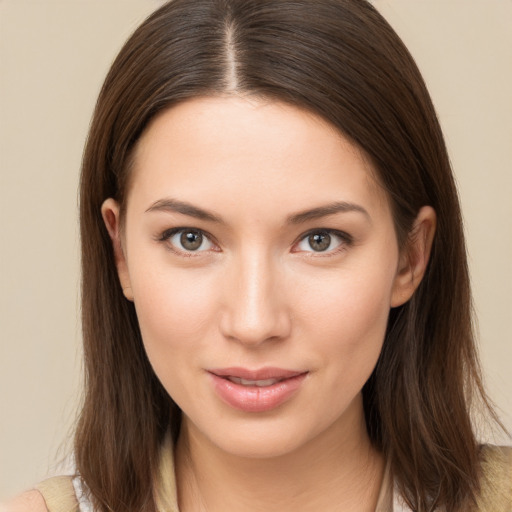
x,y
254,398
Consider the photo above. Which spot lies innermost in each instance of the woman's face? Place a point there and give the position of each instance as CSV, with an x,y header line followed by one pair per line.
x,y
262,259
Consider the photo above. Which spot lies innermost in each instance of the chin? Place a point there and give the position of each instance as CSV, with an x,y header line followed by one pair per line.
x,y
261,445
266,436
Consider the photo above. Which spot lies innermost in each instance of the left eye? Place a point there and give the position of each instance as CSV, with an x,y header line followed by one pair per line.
x,y
190,240
320,241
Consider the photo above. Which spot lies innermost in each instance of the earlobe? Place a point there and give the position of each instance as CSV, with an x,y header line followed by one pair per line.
x,y
414,257
110,214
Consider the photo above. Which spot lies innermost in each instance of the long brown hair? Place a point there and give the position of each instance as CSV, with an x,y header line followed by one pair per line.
x,y
341,60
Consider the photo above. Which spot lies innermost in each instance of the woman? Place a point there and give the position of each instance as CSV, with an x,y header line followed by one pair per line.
x,y
276,303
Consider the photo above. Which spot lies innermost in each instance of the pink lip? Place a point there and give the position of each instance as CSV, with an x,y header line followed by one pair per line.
x,y
256,398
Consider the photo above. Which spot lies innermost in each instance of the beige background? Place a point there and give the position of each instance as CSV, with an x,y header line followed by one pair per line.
x,y
53,57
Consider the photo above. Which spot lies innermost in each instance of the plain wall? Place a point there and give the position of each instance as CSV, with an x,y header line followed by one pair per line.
x,y
53,57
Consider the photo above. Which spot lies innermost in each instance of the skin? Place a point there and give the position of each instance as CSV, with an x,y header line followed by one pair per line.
x,y
30,501
258,293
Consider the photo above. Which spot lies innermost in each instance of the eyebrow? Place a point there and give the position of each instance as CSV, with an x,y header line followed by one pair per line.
x,y
326,210
174,205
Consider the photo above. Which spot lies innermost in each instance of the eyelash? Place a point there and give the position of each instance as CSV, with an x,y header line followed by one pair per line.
x,y
346,241
167,235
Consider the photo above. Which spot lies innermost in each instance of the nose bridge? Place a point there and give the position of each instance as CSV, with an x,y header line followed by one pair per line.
x,y
256,310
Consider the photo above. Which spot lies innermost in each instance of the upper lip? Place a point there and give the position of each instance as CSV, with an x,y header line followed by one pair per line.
x,y
259,374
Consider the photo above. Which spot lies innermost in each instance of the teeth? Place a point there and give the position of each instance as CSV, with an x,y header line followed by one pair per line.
x,y
258,383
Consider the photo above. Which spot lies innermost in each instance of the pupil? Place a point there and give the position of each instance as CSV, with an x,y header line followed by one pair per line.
x,y
191,240
319,241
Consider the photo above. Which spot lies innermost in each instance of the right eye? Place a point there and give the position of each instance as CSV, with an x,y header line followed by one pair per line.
x,y
187,240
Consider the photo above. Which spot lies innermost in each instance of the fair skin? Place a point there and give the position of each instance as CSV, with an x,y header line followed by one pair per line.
x,y
30,501
256,237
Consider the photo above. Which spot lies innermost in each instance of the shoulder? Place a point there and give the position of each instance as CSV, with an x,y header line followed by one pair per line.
x,y
496,484
496,461
57,494
30,501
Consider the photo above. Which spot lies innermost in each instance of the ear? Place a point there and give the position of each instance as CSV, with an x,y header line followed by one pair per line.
x,y
110,214
414,257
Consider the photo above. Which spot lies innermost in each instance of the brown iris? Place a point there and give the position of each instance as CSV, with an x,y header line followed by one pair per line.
x,y
319,241
191,240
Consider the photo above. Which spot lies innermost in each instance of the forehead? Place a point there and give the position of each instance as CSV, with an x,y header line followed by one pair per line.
x,y
250,153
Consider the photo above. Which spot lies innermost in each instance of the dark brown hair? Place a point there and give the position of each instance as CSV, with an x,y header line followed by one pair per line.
x,y
341,60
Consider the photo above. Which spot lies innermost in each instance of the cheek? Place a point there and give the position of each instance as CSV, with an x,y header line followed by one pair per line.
x,y
355,337
352,300
176,317
175,310
347,313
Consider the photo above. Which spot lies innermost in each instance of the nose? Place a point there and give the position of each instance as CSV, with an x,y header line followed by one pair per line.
x,y
255,309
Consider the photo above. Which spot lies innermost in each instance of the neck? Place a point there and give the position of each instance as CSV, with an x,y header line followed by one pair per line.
x,y
338,470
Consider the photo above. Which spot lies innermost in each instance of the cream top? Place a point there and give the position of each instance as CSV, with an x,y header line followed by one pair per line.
x,y
65,494
167,499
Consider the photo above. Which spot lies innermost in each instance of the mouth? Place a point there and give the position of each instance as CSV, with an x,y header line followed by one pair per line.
x,y
256,390
258,383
